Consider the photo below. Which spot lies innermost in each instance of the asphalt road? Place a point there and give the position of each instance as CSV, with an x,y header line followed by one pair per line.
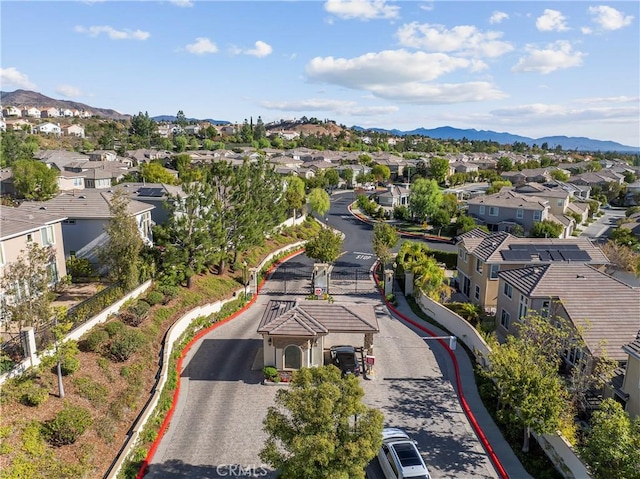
x,y
217,425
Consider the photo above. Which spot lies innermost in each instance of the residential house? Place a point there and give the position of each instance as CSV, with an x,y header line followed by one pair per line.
x,y
50,112
560,204
11,111
48,129
102,155
70,180
31,112
394,196
504,210
626,386
19,228
537,175
603,310
597,178
482,255
226,130
73,130
20,124
163,131
87,215
287,134
579,192
192,129
159,195
295,334
67,113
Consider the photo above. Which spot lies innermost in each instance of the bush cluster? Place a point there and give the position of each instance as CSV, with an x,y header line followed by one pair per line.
x,y
34,394
125,344
94,305
67,426
95,340
155,297
80,268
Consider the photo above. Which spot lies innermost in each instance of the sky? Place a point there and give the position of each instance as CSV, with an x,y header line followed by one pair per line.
x,y
529,68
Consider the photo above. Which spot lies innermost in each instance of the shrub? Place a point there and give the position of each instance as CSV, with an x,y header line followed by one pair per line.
x,y
69,365
95,340
113,328
91,390
80,268
34,395
270,372
140,308
68,425
169,292
130,318
125,344
155,297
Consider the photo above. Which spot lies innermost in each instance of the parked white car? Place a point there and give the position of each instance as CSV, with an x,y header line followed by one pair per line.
x,y
399,457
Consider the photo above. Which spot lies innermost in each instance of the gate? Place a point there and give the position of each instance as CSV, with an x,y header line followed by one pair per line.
x,y
351,280
289,278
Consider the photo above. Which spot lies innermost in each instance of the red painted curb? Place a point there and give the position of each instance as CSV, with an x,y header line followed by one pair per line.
x,y
165,424
461,398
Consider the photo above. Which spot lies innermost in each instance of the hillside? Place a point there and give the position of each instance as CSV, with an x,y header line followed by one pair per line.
x,y
20,98
326,128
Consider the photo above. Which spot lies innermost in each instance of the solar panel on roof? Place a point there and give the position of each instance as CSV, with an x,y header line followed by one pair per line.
x,y
518,246
576,255
144,191
511,255
556,256
544,256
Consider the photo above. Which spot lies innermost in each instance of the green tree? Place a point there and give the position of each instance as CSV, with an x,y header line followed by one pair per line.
x,y
34,180
260,131
428,277
16,146
295,193
439,169
497,185
623,236
546,229
319,201
121,255
180,143
332,178
26,283
191,239
464,224
425,198
156,173
525,371
320,428
385,238
325,247
347,176
181,119
381,172
503,164
559,175
208,144
612,444
142,127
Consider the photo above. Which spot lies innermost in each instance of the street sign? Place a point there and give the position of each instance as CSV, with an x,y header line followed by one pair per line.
x,y
318,291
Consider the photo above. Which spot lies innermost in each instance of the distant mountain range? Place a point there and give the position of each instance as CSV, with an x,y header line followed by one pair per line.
x,y
20,98
567,143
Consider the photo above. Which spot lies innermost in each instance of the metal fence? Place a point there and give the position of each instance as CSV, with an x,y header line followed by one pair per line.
x,y
12,351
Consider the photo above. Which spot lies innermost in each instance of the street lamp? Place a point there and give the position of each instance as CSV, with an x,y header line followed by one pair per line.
x,y
244,278
393,279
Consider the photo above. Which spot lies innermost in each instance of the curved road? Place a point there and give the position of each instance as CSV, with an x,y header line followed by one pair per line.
x,y
217,426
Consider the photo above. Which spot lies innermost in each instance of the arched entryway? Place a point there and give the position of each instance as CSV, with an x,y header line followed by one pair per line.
x,y
292,357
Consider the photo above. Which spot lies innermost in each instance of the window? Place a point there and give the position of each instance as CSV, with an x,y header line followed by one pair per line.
x,y
29,238
481,209
77,182
477,293
519,213
462,254
523,307
478,265
537,215
493,211
508,290
47,236
292,357
52,268
493,271
544,311
505,319
559,202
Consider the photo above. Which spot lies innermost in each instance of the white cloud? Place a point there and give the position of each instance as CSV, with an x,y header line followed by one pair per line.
x,y
112,33
402,76
261,49
182,3
202,46
586,30
361,9
335,106
541,112
12,77
608,18
69,91
557,56
498,17
551,20
464,39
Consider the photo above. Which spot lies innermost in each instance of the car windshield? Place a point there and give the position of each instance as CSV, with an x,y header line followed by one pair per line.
x,y
408,454
346,359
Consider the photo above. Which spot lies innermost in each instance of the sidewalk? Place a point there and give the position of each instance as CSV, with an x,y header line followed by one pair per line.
x,y
500,446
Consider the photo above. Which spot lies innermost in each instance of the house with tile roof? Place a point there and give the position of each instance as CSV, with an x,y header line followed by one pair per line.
x,y
482,255
86,217
604,311
626,384
158,195
19,228
295,334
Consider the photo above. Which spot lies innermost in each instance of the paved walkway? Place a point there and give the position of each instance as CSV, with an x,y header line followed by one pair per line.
x,y
502,449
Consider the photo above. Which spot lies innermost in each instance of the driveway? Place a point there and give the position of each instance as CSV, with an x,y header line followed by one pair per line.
x,y
602,226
